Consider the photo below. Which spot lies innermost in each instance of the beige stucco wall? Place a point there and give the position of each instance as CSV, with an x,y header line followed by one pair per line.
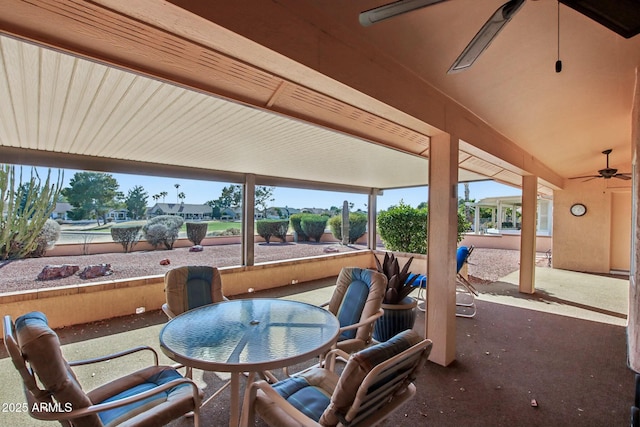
x,y
584,243
621,231
71,305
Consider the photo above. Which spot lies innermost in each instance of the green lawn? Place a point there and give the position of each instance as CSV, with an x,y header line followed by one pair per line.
x,y
218,226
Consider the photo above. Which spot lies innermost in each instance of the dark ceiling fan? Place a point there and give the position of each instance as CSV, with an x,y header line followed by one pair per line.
x,y
478,44
623,17
606,173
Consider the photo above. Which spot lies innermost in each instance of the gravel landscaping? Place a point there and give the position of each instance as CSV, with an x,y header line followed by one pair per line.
x,y
486,265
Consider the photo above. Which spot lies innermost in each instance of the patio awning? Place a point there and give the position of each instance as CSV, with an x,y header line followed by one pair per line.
x,y
62,110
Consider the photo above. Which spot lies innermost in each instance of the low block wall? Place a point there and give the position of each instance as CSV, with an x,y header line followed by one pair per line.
x,y
72,305
504,241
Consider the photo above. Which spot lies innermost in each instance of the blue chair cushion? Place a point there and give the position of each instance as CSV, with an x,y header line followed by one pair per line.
x,y
306,398
198,289
351,307
461,257
374,355
420,282
159,376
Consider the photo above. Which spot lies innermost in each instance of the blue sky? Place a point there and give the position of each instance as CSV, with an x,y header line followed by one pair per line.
x,y
202,191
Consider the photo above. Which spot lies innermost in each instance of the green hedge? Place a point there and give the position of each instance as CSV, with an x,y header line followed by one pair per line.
x,y
296,225
314,225
357,226
272,227
404,229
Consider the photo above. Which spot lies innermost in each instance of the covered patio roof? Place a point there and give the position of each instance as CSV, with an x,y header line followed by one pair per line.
x,y
153,116
64,105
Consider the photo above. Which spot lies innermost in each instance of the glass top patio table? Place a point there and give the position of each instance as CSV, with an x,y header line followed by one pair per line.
x,y
248,335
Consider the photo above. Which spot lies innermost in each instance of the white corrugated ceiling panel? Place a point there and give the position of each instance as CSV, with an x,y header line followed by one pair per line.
x,y
55,102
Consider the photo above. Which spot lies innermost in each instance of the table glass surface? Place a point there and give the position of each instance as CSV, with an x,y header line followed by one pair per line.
x,y
248,333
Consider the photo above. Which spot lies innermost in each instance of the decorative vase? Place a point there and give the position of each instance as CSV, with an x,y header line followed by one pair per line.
x,y
396,318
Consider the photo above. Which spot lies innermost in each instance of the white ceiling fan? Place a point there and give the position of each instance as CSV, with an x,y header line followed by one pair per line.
x,y
478,44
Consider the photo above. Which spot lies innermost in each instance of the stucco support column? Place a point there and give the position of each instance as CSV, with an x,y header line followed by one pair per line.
x,y
633,329
372,240
248,220
440,321
528,234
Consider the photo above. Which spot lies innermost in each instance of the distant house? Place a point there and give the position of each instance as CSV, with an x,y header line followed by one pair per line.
x,y
118,215
280,212
318,211
184,210
230,214
61,211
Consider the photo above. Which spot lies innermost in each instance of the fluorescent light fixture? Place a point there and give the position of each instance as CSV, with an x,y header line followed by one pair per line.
x,y
399,7
485,36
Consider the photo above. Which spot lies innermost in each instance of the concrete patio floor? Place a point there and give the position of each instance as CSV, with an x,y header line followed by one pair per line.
x,y
564,347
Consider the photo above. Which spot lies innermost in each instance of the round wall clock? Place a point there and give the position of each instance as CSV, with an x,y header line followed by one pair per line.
x,y
578,209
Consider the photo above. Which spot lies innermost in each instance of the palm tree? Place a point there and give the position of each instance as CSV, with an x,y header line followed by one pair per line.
x,y
177,194
163,194
156,197
182,196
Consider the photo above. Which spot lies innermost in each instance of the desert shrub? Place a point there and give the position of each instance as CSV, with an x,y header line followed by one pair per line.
x,y
162,229
196,231
296,225
404,229
24,210
47,238
231,232
155,234
314,225
272,227
357,226
127,235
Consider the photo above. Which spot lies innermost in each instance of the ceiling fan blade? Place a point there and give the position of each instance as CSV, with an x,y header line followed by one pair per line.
x,y
622,176
485,36
390,10
586,176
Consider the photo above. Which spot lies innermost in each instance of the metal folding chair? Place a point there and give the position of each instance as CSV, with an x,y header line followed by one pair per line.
x,y
465,291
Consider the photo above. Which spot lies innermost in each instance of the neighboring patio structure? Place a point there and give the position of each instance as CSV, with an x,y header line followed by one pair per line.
x,y
506,215
320,102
